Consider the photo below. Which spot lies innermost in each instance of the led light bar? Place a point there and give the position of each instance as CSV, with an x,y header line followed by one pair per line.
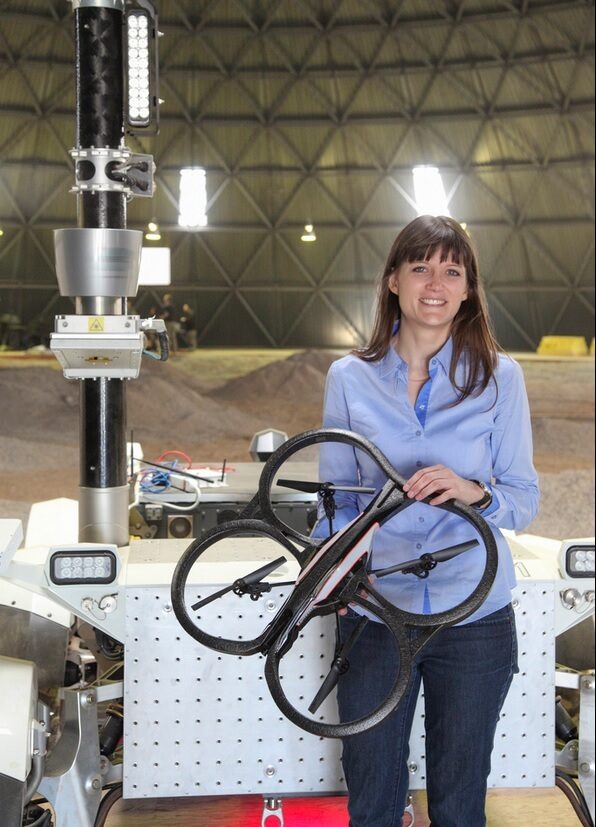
x,y
69,568
579,561
141,69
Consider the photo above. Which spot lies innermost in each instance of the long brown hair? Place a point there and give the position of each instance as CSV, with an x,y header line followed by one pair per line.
x,y
471,330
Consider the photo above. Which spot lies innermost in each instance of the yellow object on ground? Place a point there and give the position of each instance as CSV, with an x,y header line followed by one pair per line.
x,y
562,346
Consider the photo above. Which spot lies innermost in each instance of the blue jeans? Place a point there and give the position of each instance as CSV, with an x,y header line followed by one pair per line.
x,y
466,672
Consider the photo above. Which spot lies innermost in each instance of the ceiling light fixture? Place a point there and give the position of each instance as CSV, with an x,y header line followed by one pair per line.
x,y
429,191
192,206
309,233
153,233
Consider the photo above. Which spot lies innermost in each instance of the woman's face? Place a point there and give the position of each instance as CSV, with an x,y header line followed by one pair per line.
x,y
430,292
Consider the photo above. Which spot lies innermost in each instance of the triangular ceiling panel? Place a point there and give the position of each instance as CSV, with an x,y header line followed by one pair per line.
x,y
271,190
192,263
578,317
573,245
572,139
312,205
274,265
268,150
339,91
236,326
510,331
319,256
227,143
352,189
355,264
388,205
307,140
278,308
217,100
300,99
382,140
323,327
190,92
232,206
234,254
265,89
27,193
297,44
555,193
358,305
475,200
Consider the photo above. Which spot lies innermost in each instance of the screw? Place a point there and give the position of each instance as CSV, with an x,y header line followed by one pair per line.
x,y
269,771
96,784
515,603
587,683
167,608
90,699
586,768
270,605
412,767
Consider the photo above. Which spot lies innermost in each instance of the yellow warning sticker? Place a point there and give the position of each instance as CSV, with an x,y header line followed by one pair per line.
x,y
95,324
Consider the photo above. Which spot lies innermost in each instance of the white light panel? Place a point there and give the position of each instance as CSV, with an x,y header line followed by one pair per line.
x,y
429,191
192,207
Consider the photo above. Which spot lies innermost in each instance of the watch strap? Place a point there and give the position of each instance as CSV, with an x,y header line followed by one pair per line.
x,y
486,499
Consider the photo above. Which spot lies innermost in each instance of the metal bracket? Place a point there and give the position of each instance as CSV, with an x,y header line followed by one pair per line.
x,y
409,813
90,347
103,169
586,757
272,808
73,779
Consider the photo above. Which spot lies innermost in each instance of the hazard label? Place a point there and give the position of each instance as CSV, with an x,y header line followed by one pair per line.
x,y
95,324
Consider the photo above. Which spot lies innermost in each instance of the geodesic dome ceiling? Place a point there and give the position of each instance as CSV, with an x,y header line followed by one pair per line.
x,y
316,111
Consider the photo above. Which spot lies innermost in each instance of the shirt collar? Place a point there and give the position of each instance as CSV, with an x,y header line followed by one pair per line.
x,y
392,363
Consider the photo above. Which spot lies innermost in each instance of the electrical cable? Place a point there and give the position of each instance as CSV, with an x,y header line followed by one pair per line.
x,y
44,820
162,458
570,788
107,802
174,506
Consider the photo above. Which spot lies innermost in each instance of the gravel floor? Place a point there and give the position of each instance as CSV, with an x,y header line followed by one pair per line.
x,y
210,403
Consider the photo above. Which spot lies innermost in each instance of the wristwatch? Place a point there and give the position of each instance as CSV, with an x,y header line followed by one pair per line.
x,y
486,498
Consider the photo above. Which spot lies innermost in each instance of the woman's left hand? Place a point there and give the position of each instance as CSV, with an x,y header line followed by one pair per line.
x,y
444,483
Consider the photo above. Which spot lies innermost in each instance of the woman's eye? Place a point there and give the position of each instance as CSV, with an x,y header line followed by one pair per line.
x,y
420,269
454,272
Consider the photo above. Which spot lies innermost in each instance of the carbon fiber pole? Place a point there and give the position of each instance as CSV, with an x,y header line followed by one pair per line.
x,y
103,503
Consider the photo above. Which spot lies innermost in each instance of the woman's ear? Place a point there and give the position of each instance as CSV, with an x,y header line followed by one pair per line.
x,y
393,283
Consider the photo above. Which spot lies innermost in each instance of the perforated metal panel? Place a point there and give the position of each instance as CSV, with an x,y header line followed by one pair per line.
x,y
199,723
524,752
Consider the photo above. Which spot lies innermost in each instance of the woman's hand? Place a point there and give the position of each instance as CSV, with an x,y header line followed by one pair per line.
x,y
444,483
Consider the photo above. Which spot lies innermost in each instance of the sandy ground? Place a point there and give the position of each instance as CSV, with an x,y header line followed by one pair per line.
x,y
209,403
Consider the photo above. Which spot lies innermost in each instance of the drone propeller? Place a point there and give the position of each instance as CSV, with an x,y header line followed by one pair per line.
x,y
322,487
242,582
428,560
338,667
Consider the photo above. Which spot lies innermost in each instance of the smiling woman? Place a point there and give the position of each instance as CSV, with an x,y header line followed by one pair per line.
x,y
435,394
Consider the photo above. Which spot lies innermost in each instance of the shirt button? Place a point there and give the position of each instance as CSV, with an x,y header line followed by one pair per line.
x,y
418,464
420,519
418,545
422,407
433,361
418,433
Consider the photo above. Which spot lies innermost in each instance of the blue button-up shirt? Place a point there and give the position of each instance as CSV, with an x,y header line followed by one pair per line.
x,y
486,437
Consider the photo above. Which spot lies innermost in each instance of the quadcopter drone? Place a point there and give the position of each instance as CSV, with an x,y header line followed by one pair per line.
x,y
334,574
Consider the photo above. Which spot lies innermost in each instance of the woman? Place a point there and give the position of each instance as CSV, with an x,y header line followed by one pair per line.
x,y
433,391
